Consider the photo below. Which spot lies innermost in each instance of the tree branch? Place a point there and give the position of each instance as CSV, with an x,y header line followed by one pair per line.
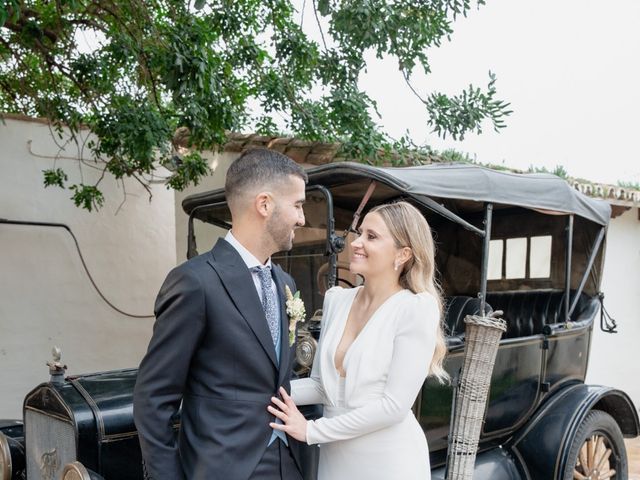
x,y
315,12
144,184
304,6
124,197
21,22
140,50
406,79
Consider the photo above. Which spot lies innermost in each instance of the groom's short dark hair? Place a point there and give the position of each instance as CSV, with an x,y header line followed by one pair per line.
x,y
259,167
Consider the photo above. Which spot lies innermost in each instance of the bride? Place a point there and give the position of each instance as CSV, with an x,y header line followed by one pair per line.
x,y
378,343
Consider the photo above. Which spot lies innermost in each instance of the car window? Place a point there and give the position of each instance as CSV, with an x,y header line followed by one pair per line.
x,y
520,258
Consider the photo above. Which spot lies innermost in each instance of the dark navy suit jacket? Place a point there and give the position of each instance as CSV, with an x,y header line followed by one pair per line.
x,y
211,350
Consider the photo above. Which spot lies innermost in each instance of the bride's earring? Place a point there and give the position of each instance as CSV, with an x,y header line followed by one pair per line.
x,y
395,266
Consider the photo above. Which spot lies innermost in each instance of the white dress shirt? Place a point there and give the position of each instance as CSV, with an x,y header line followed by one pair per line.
x,y
251,261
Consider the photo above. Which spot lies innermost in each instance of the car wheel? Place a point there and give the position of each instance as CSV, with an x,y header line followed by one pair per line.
x,y
5,458
11,458
597,451
77,471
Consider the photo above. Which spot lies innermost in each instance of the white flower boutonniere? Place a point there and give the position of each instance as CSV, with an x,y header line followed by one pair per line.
x,y
295,311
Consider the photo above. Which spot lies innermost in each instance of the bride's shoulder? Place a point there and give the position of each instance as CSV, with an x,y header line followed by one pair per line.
x,y
339,292
333,291
336,296
422,304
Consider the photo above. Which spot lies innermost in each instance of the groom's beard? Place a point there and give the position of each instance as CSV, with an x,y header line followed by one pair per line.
x,y
280,232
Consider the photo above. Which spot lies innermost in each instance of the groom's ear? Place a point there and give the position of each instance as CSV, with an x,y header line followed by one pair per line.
x,y
264,203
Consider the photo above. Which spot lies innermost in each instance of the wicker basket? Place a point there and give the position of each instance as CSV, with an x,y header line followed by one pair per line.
x,y
482,337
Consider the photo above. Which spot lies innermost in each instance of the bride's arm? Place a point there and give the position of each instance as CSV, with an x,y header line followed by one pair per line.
x,y
310,391
413,349
307,391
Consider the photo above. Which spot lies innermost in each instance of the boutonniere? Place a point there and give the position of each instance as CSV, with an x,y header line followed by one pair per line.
x,y
295,311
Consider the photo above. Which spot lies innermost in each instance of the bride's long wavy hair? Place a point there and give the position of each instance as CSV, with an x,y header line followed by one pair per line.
x,y
409,228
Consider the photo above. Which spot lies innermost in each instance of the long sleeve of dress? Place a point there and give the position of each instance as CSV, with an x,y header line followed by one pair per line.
x,y
413,348
309,391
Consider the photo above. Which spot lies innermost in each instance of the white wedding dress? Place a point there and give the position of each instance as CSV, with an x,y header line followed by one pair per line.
x,y
368,430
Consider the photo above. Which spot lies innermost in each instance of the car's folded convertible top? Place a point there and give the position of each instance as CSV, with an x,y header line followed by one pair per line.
x,y
457,181
471,182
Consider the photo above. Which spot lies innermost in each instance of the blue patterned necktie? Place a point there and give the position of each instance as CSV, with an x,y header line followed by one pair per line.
x,y
269,301
270,306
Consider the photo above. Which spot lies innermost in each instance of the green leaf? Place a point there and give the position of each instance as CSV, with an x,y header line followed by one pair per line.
x,y
87,197
219,67
190,170
54,177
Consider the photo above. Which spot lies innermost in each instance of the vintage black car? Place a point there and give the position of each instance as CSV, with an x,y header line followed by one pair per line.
x,y
529,245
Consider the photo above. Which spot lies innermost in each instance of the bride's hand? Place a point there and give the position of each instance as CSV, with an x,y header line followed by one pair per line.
x,y
293,422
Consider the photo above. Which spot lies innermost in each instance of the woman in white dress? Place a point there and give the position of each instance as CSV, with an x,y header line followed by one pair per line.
x,y
378,343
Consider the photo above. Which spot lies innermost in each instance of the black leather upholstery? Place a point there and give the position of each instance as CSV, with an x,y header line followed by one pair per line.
x,y
527,312
456,308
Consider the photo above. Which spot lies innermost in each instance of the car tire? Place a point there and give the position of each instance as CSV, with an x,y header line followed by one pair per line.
x,y
597,448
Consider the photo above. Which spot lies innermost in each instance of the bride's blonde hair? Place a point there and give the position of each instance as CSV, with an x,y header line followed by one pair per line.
x,y
409,228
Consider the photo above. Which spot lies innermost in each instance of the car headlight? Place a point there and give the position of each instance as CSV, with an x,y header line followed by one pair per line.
x,y
306,350
5,458
76,471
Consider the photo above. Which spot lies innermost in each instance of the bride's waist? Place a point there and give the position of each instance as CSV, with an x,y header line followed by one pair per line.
x,y
333,411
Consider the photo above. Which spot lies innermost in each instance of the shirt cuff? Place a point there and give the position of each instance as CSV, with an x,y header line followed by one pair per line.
x,y
309,437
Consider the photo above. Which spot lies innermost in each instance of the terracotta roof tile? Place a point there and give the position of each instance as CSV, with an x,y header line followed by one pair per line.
x,y
319,153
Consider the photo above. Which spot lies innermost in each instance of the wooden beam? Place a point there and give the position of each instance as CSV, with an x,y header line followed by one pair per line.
x,y
617,210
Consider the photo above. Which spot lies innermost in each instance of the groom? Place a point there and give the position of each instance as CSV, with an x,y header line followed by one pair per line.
x,y
220,343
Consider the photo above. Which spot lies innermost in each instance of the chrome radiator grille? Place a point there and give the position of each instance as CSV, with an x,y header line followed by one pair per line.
x,y
50,445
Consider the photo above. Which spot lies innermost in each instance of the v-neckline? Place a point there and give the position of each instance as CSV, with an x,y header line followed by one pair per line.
x,y
344,327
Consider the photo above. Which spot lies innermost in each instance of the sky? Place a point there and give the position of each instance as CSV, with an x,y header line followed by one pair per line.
x,y
569,68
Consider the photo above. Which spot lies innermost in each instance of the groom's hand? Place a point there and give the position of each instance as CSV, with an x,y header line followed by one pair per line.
x,y
293,422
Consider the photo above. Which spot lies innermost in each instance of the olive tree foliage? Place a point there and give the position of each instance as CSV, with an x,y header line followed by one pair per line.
x,y
208,68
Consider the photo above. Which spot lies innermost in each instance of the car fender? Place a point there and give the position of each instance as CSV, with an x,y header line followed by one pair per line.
x,y
543,443
496,464
12,428
12,461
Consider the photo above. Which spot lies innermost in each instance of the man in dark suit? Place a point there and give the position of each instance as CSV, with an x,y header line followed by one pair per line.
x,y
220,343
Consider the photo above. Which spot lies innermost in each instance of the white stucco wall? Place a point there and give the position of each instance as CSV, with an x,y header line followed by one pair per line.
x,y
46,298
614,359
205,237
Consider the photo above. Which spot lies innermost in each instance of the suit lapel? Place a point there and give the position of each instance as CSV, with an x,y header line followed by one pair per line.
x,y
237,280
285,349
